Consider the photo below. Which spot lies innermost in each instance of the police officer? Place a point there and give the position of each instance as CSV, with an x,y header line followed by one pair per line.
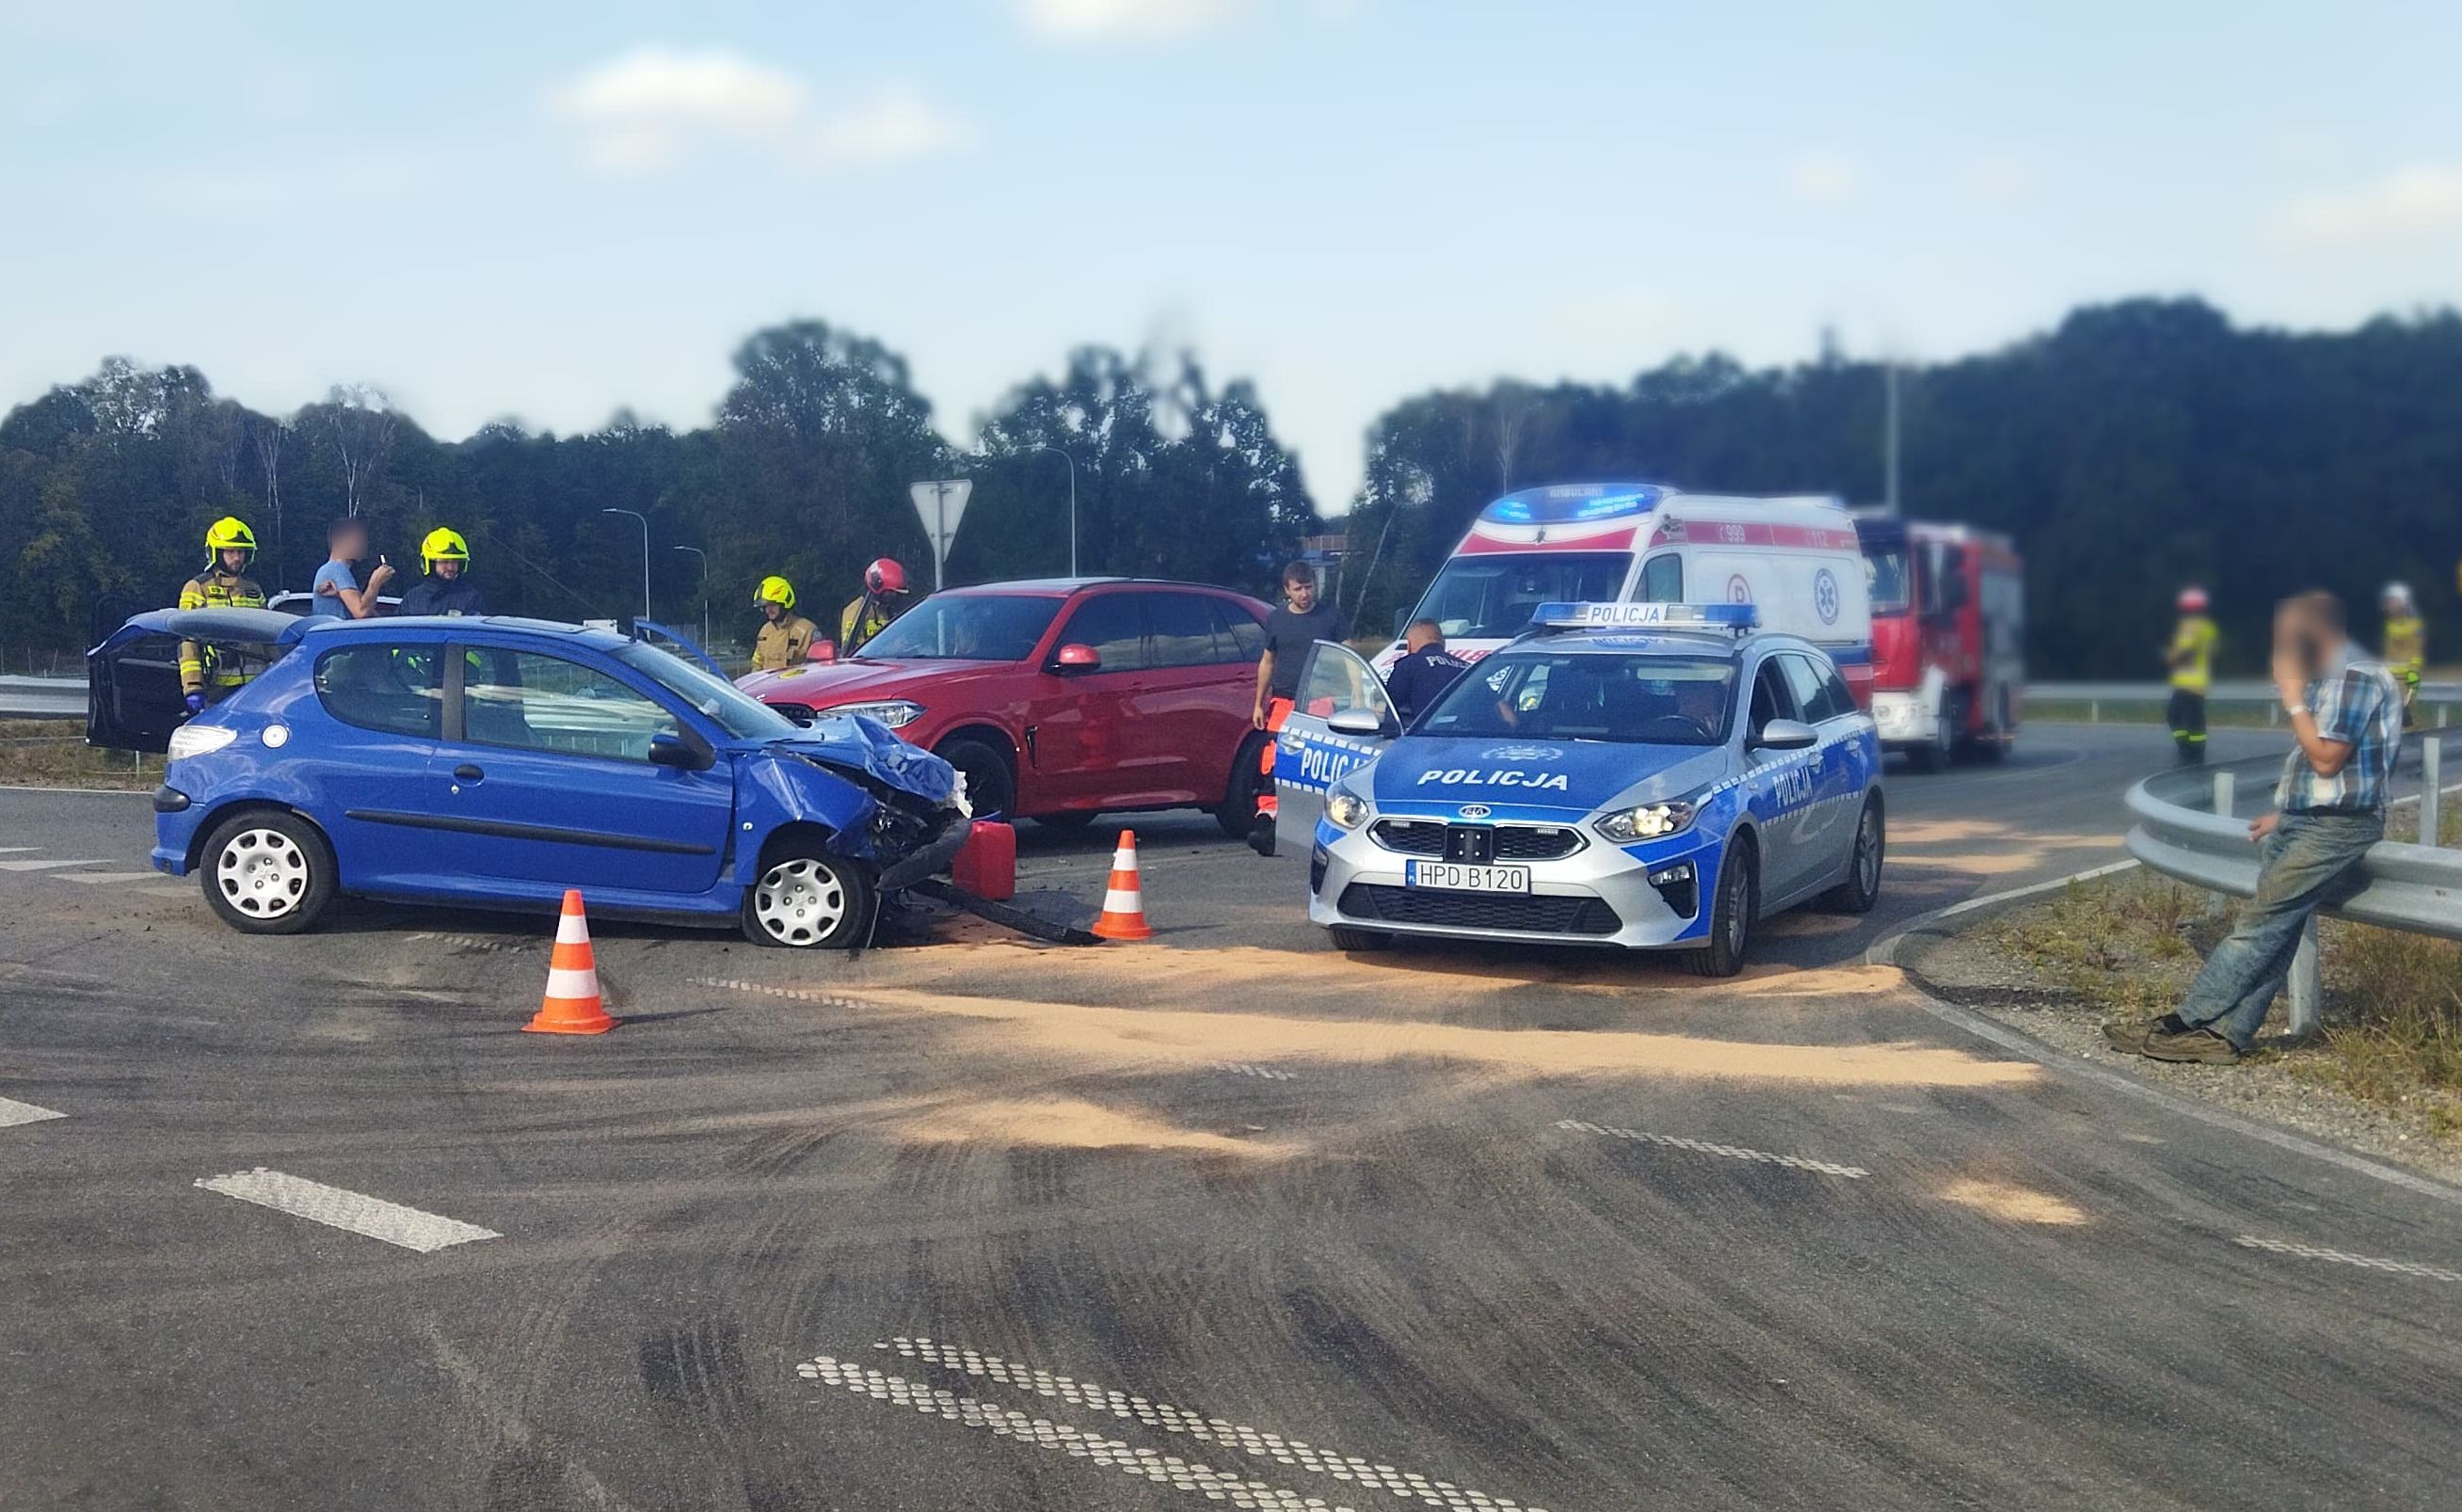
x,y
883,600
2192,661
206,672
2405,647
786,636
1425,671
446,589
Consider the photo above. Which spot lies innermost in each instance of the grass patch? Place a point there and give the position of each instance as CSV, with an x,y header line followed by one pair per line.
x,y
2121,947
2393,1028
52,753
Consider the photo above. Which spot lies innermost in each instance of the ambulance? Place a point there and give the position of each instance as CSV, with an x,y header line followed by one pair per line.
x,y
1795,559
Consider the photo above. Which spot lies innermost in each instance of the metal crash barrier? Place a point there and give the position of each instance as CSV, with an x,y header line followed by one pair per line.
x,y
2185,824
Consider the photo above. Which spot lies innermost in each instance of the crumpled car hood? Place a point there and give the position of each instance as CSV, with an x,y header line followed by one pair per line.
x,y
861,743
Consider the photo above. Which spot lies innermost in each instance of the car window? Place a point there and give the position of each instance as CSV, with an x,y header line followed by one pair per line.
x,y
1662,580
1491,596
1337,682
1247,637
391,688
1181,631
1810,688
538,702
1842,698
1772,698
738,714
964,627
1113,624
1640,699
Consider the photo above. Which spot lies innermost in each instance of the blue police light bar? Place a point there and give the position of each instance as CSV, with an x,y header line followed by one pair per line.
x,y
1737,617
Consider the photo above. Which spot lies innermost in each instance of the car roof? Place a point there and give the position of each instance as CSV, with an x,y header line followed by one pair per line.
x,y
514,624
1056,586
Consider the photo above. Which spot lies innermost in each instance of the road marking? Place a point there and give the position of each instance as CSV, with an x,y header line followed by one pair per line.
x,y
356,1212
760,989
110,876
13,1114
1249,1068
45,866
1703,1147
2400,1267
13,849
1043,1433
1211,1430
471,944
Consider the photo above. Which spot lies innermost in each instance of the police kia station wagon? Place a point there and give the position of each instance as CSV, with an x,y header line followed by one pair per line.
x,y
1654,776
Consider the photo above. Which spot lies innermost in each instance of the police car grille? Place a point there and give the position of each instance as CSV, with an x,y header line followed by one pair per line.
x,y
799,713
1412,836
1535,842
1510,842
1529,913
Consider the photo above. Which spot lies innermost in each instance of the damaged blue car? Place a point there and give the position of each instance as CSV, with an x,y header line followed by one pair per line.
x,y
492,763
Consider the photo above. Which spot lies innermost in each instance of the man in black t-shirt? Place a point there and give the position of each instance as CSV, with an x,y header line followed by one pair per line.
x,y
1289,632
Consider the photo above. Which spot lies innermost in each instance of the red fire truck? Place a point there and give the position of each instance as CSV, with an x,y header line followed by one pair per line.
x,y
1948,630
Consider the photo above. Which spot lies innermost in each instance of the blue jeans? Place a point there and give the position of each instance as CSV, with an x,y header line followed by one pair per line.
x,y
2308,860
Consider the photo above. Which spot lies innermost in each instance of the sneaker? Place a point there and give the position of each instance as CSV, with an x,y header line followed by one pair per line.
x,y
2129,1036
2197,1047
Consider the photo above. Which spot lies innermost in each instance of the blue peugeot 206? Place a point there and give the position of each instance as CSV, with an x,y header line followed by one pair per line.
x,y
1654,776
495,762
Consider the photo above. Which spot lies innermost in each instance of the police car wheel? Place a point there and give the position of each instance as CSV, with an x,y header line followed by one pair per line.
x,y
1247,786
1346,938
805,900
267,871
1861,888
1732,916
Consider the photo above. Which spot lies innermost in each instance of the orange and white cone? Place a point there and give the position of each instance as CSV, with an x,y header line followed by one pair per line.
x,y
1124,902
573,1005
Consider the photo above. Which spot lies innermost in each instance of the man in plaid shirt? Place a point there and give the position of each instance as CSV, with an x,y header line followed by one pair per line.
x,y
2346,713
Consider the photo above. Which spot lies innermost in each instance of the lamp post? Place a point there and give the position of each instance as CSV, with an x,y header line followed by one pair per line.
x,y
645,554
1045,445
703,557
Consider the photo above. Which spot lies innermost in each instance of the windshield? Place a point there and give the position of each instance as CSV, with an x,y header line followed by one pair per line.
x,y
737,713
1573,695
1884,572
966,627
1491,597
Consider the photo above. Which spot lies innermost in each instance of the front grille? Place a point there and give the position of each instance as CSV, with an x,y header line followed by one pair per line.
x,y
801,714
1533,913
1535,842
1412,836
1504,842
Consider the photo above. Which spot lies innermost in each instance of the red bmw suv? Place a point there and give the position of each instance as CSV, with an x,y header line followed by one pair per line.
x,y
1063,698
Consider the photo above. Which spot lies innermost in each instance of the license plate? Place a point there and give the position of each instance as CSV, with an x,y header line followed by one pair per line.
x,y
1454,877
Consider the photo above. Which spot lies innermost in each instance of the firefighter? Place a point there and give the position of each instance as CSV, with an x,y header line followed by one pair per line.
x,y
446,587
786,636
883,600
2192,661
2405,647
209,672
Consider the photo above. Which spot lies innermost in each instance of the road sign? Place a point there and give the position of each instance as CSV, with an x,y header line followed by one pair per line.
x,y
942,504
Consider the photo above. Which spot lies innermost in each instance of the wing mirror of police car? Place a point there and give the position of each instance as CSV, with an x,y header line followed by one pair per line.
x,y
1357,722
1786,735
822,651
1078,658
673,751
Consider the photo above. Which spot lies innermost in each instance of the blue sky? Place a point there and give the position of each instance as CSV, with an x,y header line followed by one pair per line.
x,y
517,210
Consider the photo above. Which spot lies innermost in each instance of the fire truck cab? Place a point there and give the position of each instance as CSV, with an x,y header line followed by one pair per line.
x,y
1949,629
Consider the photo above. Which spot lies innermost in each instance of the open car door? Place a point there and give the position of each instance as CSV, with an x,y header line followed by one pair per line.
x,y
1342,720
133,697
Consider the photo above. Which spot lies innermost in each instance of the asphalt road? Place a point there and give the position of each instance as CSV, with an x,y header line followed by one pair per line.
x,y
969,1222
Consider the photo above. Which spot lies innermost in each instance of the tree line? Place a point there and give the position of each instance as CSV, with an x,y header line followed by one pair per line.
x,y
2135,447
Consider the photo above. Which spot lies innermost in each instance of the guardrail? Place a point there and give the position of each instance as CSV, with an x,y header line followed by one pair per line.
x,y
23,697
2435,698
2185,824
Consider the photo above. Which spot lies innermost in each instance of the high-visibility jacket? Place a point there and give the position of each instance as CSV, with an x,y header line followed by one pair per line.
x,y
2405,647
864,618
2191,656
199,665
781,643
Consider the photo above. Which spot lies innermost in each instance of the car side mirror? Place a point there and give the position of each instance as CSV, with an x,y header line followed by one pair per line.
x,y
1786,735
678,752
822,651
1077,658
1356,722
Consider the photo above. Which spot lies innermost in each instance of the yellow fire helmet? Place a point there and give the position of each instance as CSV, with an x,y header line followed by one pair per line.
x,y
774,591
230,532
443,546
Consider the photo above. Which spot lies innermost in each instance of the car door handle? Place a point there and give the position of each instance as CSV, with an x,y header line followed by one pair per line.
x,y
466,772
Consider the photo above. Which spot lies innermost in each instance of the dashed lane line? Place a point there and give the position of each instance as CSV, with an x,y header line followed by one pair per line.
x,y
49,864
763,990
1264,1073
2399,1267
1186,1475
1170,1419
13,1114
352,1211
98,877
1794,1162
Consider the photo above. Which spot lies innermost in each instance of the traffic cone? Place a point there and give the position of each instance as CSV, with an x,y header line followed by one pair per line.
x,y
573,1005
1124,903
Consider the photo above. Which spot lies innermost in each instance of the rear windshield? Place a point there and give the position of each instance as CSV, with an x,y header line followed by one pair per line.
x,y
966,627
1491,597
1650,701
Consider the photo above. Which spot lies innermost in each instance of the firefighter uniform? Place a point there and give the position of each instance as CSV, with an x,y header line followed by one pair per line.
x,y
2192,660
206,671
884,585
2405,655
784,636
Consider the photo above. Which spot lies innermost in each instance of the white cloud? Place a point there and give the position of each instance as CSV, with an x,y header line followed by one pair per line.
x,y
1824,178
1124,20
648,110
2409,202
1996,178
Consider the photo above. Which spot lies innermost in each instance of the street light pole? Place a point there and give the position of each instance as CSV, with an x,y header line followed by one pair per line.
x,y
1045,445
645,554
703,559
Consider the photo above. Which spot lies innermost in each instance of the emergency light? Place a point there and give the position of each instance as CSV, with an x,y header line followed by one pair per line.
x,y
1737,617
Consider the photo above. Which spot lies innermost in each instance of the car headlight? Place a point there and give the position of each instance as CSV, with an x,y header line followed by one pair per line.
x,y
196,739
896,713
1645,821
1346,809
